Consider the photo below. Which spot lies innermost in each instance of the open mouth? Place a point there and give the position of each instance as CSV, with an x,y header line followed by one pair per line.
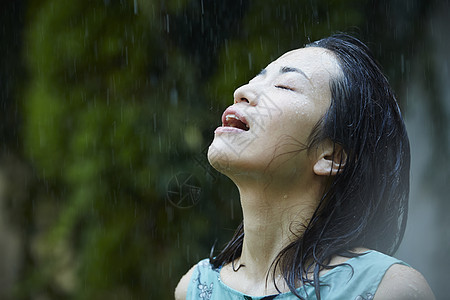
x,y
232,120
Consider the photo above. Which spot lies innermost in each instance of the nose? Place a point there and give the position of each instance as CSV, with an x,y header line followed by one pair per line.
x,y
246,93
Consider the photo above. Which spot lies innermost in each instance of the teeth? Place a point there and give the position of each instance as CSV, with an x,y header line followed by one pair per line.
x,y
231,116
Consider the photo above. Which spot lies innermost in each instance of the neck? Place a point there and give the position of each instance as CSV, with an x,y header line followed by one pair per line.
x,y
273,218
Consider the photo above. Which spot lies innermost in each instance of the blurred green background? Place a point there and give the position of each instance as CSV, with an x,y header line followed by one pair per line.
x,y
108,107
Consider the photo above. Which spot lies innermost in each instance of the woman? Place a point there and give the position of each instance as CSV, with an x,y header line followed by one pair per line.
x,y
318,150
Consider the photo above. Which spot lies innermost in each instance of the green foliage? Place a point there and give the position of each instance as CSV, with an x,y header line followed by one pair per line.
x,y
104,119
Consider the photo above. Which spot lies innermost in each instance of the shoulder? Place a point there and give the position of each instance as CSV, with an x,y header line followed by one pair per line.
x,y
182,287
403,282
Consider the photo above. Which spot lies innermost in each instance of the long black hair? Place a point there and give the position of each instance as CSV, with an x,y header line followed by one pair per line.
x,y
365,204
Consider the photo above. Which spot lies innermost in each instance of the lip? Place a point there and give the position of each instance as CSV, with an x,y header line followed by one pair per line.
x,y
222,129
232,111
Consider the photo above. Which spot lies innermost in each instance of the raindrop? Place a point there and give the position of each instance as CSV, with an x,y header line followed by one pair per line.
x,y
402,59
174,97
96,50
226,48
160,143
167,24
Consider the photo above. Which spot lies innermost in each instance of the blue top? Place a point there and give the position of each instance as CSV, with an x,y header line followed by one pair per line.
x,y
338,283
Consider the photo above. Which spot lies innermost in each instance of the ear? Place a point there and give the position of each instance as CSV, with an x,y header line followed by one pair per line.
x,y
331,158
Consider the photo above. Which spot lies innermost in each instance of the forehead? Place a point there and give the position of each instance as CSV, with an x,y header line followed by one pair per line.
x,y
316,63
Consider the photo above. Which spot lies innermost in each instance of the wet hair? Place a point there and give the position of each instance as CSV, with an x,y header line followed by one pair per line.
x,y
365,203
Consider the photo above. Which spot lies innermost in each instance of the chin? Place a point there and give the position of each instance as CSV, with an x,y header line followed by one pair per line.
x,y
218,157
232,163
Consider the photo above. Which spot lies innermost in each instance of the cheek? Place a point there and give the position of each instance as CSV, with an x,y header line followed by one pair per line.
x,y
300,118
300,110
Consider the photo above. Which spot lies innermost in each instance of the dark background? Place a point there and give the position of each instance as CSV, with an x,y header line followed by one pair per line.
x,y
108,107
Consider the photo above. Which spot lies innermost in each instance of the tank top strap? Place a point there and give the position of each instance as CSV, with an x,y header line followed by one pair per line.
x,y
358,278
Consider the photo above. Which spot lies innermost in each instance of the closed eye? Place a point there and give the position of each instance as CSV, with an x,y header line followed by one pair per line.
x,y
284,87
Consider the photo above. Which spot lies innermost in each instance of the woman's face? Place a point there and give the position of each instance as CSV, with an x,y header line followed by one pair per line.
x,y
274,114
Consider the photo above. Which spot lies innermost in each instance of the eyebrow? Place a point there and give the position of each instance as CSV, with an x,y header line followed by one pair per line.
x,y
286,70
290,69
